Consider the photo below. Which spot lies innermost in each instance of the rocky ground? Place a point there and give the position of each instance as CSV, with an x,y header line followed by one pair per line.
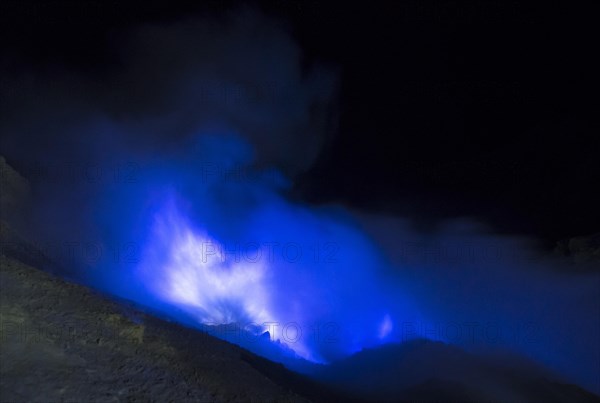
x,y
64,342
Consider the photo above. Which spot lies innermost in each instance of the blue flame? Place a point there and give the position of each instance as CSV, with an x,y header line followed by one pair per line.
x,y
221,244
227,249
284,274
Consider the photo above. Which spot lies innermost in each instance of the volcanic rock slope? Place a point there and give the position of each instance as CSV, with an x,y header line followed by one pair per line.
x,y
63,342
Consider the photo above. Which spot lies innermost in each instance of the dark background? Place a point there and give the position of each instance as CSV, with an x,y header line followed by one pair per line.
x,y
448,108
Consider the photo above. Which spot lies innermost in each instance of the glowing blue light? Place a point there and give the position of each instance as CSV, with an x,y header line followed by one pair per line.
x,y
386,327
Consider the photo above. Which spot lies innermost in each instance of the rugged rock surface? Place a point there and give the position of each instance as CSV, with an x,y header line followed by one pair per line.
x,y
428,371
61,341
64,342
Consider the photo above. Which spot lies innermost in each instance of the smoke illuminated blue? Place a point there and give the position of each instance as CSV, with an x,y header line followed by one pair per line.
x,y
235,251
221,244
192,218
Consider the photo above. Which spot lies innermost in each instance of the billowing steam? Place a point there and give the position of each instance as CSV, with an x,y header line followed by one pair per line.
x,y
167,179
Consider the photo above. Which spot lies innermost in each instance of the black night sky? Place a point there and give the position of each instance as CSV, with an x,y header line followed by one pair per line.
x,y
447,109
